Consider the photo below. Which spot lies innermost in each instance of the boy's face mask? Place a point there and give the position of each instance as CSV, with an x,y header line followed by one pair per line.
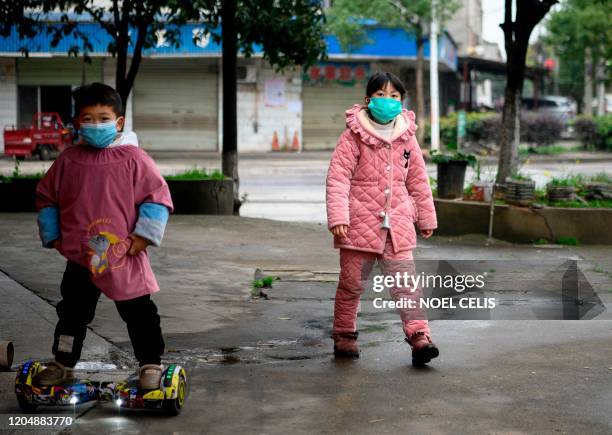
x,y
384,109
99,135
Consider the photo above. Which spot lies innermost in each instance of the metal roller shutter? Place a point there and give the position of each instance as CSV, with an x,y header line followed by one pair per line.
x,y
58,71
176,104
324,107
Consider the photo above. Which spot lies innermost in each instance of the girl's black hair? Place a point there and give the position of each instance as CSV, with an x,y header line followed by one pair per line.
x,y
380,79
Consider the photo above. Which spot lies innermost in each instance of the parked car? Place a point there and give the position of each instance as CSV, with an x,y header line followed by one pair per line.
x,y
46,136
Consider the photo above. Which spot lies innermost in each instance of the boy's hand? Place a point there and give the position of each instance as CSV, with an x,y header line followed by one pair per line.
x,y
426,234
138,244
340,230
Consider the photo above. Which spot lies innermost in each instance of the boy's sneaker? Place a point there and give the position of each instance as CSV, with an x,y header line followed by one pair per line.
x,y
423,349
54,374
345,345
149,376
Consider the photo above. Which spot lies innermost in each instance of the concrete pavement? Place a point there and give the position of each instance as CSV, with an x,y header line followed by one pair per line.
x,y
265,366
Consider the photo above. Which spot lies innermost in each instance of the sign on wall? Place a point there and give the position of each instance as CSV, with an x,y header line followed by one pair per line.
x,y
344,73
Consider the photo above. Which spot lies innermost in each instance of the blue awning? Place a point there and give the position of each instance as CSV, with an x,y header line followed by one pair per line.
x,y
384,44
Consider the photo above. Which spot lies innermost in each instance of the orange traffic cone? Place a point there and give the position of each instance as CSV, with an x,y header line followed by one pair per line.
x,y
275,144
295,145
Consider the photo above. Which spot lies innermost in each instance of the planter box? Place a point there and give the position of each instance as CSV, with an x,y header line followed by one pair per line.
x,y
202,196
525,225
451,176
560,193
189,196
18,195
519,192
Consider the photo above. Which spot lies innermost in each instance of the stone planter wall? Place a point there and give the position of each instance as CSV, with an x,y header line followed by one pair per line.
x,y
189,196
19,195
525,225
202,196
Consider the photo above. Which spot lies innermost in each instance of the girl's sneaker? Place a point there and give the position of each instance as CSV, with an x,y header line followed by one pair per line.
x,y
423,349
54,374
149,377
345,345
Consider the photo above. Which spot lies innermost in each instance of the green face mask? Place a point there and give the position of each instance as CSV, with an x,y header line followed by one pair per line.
x,y
384,109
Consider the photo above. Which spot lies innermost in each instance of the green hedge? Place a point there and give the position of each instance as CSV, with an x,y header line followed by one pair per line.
x,y
484,127
595,132
476,127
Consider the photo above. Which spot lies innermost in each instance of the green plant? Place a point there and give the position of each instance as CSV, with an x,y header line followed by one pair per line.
x,y
595,132
437,157
569,241
549,150
540,130
259,284
521,177
541,242
265,282
479,127
602,177
196,174
16,168
576,181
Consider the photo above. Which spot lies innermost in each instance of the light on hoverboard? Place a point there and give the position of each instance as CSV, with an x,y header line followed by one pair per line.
x,y
73,400
119,402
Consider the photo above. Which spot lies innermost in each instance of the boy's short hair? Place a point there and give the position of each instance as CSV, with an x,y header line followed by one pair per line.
x,y
96,94
380,79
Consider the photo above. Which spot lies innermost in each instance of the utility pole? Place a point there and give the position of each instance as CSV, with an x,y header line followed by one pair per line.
x,y
433,80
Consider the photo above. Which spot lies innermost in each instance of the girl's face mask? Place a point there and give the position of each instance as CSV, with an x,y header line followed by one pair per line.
x,y
384,109
99,135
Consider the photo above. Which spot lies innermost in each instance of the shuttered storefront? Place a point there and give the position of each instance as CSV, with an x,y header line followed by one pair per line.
x,y
175,104
58,71
324,107
46,85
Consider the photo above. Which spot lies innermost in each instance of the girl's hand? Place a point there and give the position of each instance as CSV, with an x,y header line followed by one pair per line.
x,y
426,234
340,230
57,245
138,244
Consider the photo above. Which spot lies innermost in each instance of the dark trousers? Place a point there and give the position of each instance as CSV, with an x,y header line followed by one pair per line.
x,y
78,308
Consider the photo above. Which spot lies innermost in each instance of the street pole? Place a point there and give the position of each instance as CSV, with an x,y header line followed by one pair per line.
x,y
433,80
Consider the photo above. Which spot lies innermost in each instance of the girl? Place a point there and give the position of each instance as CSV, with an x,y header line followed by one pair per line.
x,y
377,189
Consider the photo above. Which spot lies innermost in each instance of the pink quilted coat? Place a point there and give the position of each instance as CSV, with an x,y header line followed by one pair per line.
x,y
369,177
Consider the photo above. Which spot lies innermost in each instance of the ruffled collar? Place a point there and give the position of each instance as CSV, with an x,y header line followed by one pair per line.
x,y
359,123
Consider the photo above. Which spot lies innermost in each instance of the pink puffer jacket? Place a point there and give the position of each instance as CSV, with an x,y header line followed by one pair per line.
x,y
369,177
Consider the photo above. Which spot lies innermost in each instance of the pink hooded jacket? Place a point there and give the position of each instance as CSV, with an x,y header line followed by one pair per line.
x,y
369,177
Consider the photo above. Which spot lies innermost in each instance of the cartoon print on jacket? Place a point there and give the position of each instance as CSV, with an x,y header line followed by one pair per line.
x,y
99,246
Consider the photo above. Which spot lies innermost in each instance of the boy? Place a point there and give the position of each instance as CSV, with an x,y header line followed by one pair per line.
x,y
100,205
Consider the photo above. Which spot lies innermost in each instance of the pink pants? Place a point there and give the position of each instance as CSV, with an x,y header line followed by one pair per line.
x,y
355,267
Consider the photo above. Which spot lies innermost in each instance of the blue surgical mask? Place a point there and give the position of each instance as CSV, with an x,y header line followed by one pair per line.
x,y
99,135
384,109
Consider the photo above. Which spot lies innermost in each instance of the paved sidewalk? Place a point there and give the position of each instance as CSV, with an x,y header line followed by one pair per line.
x,y
265,366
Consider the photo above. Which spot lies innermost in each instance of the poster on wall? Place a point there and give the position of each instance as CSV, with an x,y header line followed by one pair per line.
x,y
274,92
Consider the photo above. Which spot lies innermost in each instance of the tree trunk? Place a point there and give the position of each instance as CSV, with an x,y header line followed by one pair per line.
x,y
600,75
588,82
420,98
510,134
230,140
516,38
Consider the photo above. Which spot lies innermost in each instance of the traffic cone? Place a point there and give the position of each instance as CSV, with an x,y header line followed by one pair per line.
x,y
295,145
275,144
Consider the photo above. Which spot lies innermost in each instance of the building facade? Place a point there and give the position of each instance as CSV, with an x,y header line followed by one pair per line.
x,y
176,101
